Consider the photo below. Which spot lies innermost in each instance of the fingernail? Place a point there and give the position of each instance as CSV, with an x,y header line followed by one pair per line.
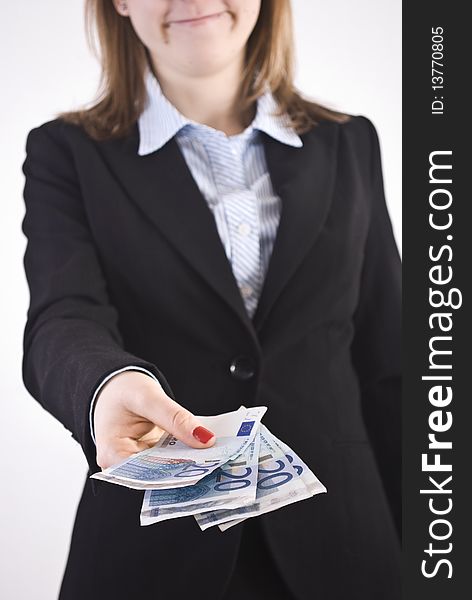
x,y
202,434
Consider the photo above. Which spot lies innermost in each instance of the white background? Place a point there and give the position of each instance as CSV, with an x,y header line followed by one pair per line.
x,y
348,56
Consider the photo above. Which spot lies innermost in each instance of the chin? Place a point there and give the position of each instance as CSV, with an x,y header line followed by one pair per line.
x,y
203,64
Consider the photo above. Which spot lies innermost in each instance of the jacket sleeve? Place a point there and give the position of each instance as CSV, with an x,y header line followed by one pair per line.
x,y
71,339
376,348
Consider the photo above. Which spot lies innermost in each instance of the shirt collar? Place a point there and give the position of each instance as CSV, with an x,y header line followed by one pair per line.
x,y
161,120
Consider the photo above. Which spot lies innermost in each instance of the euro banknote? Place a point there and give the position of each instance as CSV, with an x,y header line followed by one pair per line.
x,y
267,502
229,486
282,479
170,463
248,472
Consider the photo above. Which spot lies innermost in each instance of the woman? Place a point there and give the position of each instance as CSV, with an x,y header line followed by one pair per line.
x,y
191,249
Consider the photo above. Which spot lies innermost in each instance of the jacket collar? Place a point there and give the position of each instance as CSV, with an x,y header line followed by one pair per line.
x,y
160,120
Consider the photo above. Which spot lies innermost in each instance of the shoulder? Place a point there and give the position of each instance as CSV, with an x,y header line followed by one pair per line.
x,y
52,133
363,137
354,142
357,133
58,146
49,149
360,126
359,143
73,142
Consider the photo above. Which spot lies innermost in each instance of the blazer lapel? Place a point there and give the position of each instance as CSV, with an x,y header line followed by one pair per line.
x,y
304,179
162,185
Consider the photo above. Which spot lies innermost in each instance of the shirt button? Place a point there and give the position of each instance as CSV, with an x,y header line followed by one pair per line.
x,y
246,290
244,229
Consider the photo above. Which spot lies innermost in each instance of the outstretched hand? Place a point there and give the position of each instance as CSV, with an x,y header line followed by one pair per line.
x,y
131,413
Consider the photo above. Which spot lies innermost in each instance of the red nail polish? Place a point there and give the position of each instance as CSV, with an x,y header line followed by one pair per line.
x,y
202,434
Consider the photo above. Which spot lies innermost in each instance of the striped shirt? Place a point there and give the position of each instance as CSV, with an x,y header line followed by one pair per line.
x,y
232,175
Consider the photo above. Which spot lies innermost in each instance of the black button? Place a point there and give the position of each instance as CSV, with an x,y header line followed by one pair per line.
x,y
242,367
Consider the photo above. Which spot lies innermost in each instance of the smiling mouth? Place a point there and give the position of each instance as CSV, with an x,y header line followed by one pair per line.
x,y
195,20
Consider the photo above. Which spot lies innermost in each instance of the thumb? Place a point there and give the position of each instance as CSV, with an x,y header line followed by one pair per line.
x,y
180,422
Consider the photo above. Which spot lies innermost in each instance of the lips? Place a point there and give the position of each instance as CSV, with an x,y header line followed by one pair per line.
x,y
195,20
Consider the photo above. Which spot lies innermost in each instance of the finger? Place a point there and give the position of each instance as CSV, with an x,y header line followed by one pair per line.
x,y
178,421
114,451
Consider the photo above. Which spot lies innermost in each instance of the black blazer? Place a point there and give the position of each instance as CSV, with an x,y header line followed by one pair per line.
x,y
125,266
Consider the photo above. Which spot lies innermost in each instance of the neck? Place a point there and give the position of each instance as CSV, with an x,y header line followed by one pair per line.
x,y
212,99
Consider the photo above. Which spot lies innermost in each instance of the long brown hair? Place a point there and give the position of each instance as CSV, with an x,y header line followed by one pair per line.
x,y
121,96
